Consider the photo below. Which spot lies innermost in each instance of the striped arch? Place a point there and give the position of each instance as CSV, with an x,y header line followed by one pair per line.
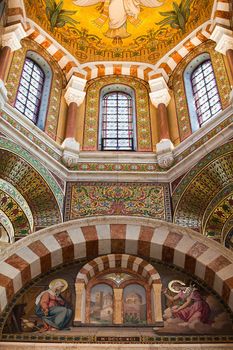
x,y
93,237
124,261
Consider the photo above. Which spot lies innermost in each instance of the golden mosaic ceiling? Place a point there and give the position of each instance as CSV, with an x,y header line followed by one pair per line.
x,y
204,198
131,30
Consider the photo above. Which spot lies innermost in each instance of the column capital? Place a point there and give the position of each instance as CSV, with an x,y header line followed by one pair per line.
x,y
74,90
224,39
159,92
12,36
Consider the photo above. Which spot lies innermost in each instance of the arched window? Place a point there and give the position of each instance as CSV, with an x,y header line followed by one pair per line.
x,y
34,89
117,119
201,91
28,99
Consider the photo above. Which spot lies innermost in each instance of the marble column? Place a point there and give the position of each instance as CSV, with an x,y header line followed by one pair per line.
x,y
160,98
224,44
118,306
11,38
80,292
74,97
157,289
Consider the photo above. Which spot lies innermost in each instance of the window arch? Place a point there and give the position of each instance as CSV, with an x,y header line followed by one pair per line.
x,y
117,119
201,91
34,87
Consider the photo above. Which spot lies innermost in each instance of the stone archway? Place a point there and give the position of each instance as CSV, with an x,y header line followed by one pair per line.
x,y
89,238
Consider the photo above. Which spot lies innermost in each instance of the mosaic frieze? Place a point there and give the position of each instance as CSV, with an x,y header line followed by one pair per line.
x,y
143,124
177,85
10,146
140,199
58,83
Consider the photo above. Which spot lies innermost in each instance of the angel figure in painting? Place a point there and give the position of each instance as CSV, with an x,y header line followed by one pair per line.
x,y
118,12
51,307
190,305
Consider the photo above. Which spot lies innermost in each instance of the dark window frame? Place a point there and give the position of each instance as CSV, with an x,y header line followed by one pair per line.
x,y
121,143
205,91
33,92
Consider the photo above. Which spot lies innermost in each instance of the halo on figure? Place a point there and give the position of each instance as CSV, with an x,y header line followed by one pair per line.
x,y
170,284
53,282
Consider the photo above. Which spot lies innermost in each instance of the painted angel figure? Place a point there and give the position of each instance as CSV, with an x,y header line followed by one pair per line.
x,y
118,12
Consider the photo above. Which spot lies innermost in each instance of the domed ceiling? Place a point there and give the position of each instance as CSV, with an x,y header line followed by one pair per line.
x,y
131,30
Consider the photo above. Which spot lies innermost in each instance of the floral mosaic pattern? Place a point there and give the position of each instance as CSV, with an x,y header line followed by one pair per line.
x,y
58,83
12,147
177,85
15,214
30,183
90,199
204,184
92,111
12,191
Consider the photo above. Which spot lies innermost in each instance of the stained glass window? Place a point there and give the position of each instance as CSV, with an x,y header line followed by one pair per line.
x,y
117,122
205,92
30,89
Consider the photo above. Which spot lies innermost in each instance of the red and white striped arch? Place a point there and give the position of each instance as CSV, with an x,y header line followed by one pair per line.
x,y
119,261
93,237
221,15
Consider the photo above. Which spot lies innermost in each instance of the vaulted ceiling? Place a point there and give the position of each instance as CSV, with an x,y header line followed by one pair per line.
x,y
93,30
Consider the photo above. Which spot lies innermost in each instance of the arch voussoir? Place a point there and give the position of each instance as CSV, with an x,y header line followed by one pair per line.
x,y
117,238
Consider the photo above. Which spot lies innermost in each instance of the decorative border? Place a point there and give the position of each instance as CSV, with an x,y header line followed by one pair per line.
x,y
9,119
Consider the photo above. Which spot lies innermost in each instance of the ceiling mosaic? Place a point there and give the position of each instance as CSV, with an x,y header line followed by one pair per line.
x,y
204,198
142,30
16,215
32,187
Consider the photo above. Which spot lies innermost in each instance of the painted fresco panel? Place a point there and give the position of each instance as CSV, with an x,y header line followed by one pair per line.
x,y
101,308
134,304
195,313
